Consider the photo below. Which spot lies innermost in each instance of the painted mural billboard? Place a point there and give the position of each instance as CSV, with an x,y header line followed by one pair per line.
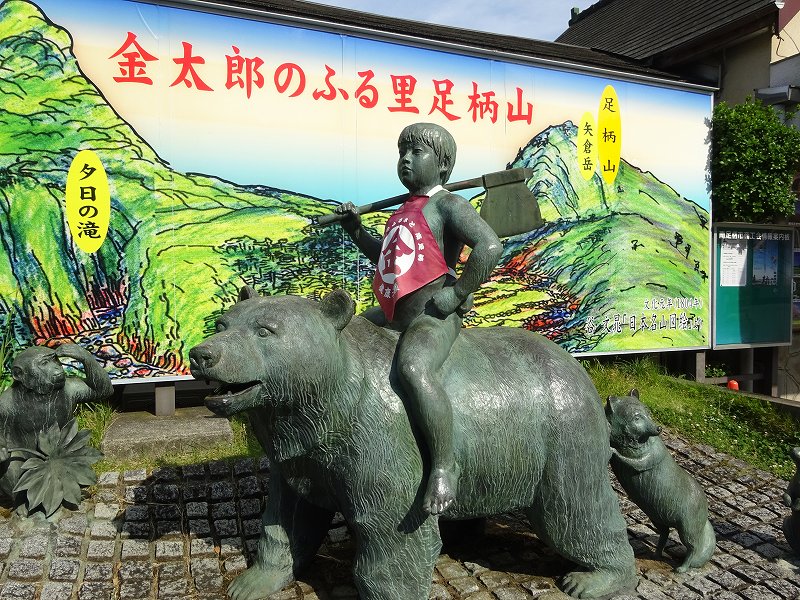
x,y
213,140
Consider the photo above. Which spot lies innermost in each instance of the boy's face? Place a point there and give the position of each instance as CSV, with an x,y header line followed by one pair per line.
x,y
418,168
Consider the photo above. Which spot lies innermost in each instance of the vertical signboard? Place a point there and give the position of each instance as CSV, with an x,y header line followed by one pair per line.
x,y
753,285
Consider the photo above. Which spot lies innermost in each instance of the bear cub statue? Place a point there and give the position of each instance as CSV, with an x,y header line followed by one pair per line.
x,y
791,524
666,493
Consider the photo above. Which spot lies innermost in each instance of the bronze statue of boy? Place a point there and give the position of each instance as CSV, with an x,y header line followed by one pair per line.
x,y
418,289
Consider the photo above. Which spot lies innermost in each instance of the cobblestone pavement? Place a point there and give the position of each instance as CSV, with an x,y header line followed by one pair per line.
x,y
186,532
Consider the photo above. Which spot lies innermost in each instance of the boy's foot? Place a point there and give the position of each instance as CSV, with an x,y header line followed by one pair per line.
x,y
441,492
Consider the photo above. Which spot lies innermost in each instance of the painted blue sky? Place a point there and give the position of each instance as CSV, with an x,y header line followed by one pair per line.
x,y
339,149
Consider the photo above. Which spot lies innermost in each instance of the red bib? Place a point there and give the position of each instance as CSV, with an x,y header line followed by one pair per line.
x,y
410,257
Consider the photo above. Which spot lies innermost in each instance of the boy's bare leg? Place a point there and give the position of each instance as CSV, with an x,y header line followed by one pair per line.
x,y
422,350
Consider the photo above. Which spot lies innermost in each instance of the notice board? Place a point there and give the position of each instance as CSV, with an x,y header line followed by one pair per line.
x,y
753,285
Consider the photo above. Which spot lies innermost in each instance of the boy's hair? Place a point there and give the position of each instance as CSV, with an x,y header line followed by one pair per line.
x,y
437,138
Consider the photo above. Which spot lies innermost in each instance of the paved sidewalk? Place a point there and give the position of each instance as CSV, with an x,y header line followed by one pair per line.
x,y
185,532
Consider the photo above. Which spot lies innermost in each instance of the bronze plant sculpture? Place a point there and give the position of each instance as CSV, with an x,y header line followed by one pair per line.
x,y
38,435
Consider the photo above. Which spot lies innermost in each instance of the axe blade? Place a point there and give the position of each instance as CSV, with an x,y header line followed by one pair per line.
x,y
509,207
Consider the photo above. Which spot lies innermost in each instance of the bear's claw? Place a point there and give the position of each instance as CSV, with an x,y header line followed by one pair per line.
x,y
256,584
595,584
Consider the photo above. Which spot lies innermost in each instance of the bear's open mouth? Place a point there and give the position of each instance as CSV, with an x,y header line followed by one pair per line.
x,y
228,391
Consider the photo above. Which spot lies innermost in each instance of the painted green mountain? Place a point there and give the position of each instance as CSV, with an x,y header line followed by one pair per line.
x,y
181,244
174,253
607,253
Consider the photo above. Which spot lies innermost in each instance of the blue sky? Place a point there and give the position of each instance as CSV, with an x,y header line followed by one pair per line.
x,y
538,19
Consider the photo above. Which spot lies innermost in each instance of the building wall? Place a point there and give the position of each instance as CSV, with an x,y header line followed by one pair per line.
x,y
787,43
746,68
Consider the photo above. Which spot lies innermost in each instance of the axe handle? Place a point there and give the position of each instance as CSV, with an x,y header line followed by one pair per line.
x,y
331,218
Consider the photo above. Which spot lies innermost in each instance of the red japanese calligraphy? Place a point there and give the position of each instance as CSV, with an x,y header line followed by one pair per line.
x,y
188,75
330,92
133,67
238,66
444,89
284,75
515,112
482,104
403,86
367,94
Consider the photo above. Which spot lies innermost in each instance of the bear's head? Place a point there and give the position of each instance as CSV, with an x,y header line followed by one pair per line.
x,y
630,422
272,350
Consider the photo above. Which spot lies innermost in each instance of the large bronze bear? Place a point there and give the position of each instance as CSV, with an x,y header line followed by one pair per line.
x,y
529,427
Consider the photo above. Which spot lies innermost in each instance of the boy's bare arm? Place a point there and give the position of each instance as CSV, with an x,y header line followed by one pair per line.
x,y
351,222
463,221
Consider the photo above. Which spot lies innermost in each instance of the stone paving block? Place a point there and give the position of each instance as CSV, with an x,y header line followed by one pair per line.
x,y
102,572
168,529
135,549
223,510
14,590
249,487
138,589
783,588
252,528
230,547
195,510
221,490
104,530
134,476
34,546
166,493
169,550
135,494
136,530
109,479
139,512
75,524
162,474
749,573
166,512
243,466
135,570
56,591
508,593
6,544
62,569
25,569
235,564
200,527
249,507
194,471
100,550
202,547
108,511
465,585
226,528
93,590
172,570
758,592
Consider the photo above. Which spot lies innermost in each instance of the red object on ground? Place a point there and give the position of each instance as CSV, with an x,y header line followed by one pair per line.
x,y
733,385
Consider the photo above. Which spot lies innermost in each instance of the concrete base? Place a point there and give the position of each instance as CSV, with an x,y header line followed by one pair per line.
x,y
136,434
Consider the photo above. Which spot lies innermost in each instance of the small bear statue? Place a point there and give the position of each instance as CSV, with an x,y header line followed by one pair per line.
x,y
791,524
666,493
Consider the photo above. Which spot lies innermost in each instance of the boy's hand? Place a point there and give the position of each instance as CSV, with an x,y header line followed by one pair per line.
x,y
351,220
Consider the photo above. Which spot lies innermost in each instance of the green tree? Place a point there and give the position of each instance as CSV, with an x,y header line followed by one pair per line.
x,y
754,158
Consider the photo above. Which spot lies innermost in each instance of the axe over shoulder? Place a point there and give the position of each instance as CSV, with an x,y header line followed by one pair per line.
x,y
509,206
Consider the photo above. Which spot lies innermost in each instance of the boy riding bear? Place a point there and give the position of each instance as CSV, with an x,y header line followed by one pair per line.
x,y
418,289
